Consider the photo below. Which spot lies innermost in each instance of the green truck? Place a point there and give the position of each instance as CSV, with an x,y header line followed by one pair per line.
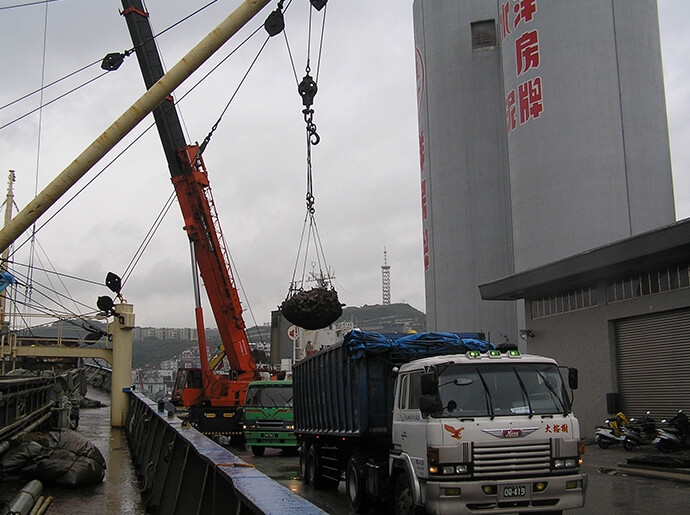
x,y
268,416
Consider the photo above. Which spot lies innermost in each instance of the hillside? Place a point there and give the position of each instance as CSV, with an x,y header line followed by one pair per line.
x,y
391,318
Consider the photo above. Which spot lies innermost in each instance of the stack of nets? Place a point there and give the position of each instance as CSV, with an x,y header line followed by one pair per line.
x,y
314,309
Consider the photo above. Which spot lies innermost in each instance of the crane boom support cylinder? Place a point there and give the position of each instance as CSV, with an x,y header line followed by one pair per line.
x,y
128,120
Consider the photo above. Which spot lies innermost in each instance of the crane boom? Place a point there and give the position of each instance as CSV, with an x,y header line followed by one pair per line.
x,y
202,225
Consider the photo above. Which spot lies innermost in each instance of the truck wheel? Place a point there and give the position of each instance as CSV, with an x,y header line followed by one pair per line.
x,y
258,450
404,500
303,464
355,486
313,466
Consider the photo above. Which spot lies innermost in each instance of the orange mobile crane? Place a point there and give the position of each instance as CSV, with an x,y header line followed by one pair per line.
x,y
214,396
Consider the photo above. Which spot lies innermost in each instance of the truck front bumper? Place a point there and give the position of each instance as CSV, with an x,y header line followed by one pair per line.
x,y
270,438
505,496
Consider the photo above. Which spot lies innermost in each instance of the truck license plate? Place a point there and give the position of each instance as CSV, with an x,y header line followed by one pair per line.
x,y
514,491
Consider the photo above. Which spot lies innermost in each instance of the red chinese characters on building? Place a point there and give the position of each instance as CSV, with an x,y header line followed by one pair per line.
x,y
422,155
503,21
525,102
511,110
527,51
427,259
524,11
530,99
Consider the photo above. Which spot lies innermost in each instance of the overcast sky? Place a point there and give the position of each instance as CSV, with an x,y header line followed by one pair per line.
x,y
365,169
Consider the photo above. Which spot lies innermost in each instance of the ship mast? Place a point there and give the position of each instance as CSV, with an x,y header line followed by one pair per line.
x,y
9,203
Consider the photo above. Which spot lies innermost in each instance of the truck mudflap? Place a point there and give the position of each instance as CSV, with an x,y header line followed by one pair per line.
x,y
529,495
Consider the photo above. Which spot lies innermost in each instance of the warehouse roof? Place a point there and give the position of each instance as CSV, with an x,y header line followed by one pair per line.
x,y
657,248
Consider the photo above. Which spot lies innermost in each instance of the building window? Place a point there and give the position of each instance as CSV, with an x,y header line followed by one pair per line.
x,y
648,282
582,298
483,35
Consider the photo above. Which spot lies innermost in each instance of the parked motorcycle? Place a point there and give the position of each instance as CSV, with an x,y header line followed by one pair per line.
x,y
639,432
674,435
611,433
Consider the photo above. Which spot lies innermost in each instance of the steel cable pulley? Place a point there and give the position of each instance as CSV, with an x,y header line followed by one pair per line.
x,y
319,306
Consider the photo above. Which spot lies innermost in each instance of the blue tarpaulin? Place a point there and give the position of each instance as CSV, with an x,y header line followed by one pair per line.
x,y
6,279
407,347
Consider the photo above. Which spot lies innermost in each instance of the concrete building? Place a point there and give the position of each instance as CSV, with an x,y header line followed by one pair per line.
x,y
620,313
543,134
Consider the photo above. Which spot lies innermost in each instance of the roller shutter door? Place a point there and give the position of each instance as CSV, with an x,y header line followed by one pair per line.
x,y
653,354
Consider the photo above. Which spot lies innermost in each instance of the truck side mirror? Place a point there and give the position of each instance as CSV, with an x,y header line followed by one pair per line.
x,y
429,404
572,378
429,383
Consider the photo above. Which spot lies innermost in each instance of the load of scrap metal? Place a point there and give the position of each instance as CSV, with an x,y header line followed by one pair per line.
x,y
314,309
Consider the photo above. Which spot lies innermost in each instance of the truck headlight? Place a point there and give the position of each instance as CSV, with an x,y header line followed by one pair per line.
x,y
565,463
444,469
454,469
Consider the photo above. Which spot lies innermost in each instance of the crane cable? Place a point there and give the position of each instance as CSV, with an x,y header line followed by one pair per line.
x,y
319,307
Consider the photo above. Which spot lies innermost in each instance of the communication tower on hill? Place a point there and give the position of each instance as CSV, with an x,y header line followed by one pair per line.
x,y
386,279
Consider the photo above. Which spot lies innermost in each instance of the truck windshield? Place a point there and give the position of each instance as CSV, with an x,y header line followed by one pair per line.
x,y
502,389
269,396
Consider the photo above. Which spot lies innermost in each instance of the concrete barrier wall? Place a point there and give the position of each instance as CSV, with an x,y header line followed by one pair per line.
x,y
181,471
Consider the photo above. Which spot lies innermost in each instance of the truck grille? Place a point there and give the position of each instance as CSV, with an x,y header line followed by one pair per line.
x,y
511,460
269,424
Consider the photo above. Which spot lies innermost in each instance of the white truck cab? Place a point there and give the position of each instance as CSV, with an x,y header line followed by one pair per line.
x,y
489,432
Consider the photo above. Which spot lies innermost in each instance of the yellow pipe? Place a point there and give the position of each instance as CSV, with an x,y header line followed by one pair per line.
x,y
129,119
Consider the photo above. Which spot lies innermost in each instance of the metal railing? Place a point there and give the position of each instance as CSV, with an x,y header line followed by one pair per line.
x,y
181,471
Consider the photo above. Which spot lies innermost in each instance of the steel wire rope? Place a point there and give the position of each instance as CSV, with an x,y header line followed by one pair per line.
x,y
147,239
130,145
60,97
126,53
28,4
36,306
169,202
29,285
48,277
207,140
312,139
52,290
68,276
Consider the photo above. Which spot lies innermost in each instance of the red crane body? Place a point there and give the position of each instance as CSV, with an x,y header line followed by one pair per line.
x,y
213,395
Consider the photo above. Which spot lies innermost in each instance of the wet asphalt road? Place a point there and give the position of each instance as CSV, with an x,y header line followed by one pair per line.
x,y
610,491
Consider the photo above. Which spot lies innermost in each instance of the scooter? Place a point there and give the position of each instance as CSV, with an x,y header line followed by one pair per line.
x,y
611,433
639,432
674,435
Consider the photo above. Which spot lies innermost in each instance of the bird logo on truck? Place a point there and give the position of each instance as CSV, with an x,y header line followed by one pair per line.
x,y
454,433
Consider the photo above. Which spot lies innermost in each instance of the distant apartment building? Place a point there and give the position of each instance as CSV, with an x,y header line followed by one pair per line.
x,y
164,333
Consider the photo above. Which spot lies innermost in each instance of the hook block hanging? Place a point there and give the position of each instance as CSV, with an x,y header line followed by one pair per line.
x,y
314,309
307,90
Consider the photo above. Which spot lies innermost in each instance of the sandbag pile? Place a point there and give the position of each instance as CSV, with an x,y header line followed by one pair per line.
x,y
314,309
62,458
